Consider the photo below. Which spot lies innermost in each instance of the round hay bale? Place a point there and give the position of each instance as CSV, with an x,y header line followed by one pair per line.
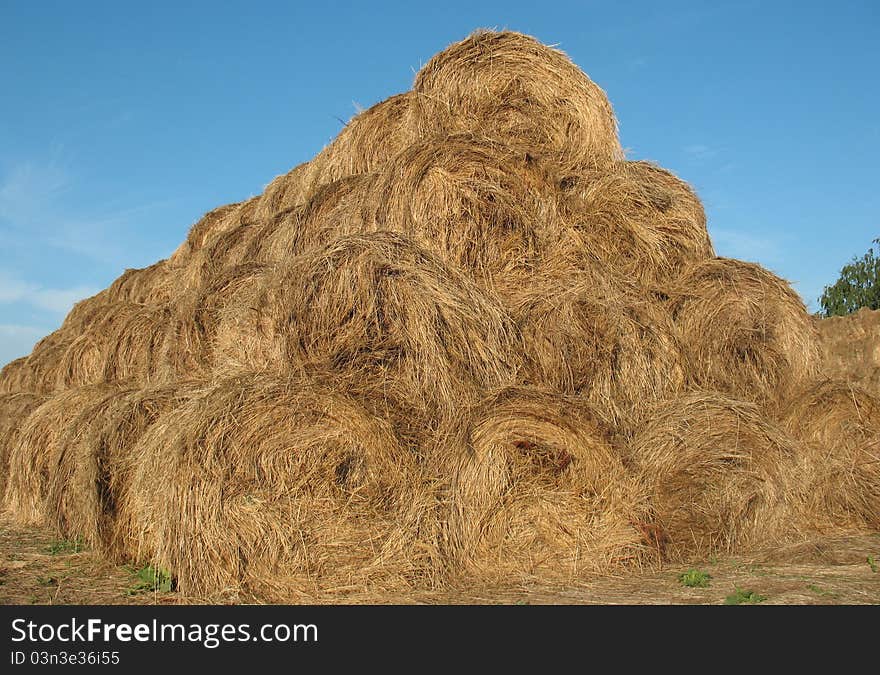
x,y
377,309
636,218
522,93
840,425
190,341
54,338
342,207
40,370
36,372
135,345
471,201
69,502
285,192
146,343
248,337
279,238
369,140
82,361
204,229
280,487
592,336
84,312
850,348
228,249
123,343
744,330
150,285
722,477
36,458
14,410
14,376
540,489
97,467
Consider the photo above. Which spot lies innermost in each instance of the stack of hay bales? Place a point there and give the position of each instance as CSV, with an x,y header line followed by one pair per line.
x,y
468,340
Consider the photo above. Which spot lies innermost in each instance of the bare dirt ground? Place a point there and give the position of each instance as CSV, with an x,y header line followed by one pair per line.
x,y
37,568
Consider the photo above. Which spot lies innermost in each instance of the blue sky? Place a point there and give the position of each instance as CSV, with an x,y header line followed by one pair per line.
x,y
122,123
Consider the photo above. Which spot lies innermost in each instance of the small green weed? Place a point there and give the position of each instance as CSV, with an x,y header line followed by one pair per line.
x,y
694,578
872,563
153,579
743,597
62,546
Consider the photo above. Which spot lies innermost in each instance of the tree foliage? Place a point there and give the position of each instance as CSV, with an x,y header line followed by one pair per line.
x,y
857,287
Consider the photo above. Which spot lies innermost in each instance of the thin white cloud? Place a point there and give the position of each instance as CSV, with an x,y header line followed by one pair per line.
x,y
28,188
61,300
34,211
13,290
769,252
699,151
58,301
636,63
746,245
18,340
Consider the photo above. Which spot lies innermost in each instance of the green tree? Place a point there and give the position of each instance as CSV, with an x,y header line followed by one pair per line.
x,y
857,287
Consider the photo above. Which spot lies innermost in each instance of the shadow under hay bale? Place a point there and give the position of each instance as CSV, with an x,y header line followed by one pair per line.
x,y
522,93
471,201
374,308
36,456
744,330
636,218
595,337
722,477
539,489
281,487
840,425
14,410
